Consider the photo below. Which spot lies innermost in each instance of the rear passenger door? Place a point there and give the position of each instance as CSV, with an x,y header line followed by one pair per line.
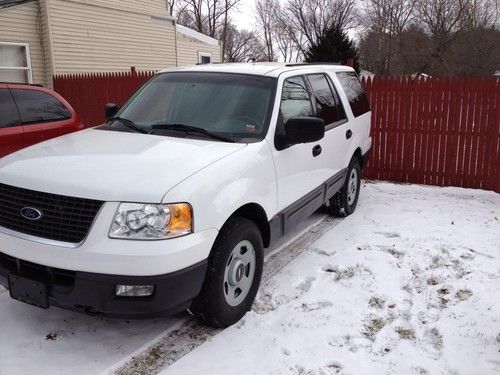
x,y
42,115
11,131
329,107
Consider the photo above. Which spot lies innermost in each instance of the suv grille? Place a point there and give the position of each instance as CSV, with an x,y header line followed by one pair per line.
x,y
66,219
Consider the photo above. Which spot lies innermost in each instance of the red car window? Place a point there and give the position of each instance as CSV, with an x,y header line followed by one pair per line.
x,y
8,112
37,106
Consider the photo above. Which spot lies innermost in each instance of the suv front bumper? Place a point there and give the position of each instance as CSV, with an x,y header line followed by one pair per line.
x,y
100,254
94,293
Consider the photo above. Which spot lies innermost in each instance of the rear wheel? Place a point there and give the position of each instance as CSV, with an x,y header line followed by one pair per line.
x,y
345,201
233,274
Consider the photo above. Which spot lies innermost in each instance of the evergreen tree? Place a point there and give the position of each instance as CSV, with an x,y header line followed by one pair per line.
x,y
333,46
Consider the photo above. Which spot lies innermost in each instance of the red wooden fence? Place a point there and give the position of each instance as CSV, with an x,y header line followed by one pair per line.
x,y
439,131
88,93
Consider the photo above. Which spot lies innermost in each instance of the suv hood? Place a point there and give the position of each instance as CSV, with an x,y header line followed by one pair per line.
x,y
110,165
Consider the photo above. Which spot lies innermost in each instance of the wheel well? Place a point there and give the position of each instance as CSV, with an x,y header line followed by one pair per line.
x,y
360,157
256,213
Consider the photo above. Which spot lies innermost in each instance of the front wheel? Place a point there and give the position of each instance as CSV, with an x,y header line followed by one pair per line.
x,y
233,274
345,201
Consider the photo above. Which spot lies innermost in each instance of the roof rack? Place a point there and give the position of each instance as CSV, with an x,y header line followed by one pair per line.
x,y
312,63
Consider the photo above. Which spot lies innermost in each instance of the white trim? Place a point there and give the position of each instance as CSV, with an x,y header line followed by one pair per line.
x,y
196,35
28,59
160,21
204,54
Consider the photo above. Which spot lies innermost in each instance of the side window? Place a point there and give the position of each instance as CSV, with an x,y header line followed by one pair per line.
x,y
36,106
328,105
354,92
204,57
295,99
8,111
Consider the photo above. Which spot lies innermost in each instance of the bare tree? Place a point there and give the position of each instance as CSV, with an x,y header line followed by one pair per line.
x,y
387,20
391,16
286,45
209,17
481,14
243,46
170,4
305,20
266,14
442,19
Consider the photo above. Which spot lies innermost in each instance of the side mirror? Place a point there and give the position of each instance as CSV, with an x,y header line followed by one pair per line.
x,y
110,110
304,130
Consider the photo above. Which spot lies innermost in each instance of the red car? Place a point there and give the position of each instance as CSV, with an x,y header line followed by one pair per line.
x,y
30,114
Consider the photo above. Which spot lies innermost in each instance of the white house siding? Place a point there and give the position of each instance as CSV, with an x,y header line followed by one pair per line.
x,y
20,24
98,36
188,48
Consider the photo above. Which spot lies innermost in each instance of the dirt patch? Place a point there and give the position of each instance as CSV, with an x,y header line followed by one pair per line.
x,y
335,367
376,302
435,339
372,327
405,333
443,291
52,336
307,307
433,280
395,253
389,234
347,273
463,294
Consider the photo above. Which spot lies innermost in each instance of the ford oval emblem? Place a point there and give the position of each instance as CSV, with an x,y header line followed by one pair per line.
x,y
31,213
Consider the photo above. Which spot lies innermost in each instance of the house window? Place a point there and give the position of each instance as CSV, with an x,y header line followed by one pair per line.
x,y
204,57
15,63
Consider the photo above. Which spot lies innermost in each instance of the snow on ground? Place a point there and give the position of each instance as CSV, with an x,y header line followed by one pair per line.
x,y
55,341
409,284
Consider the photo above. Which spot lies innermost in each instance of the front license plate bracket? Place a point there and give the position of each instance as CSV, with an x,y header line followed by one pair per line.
x,y
29,291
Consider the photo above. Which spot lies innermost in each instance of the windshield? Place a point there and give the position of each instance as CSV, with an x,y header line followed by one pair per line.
x,y
235,106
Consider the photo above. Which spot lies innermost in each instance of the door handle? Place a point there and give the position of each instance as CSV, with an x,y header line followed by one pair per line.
x,y
317,150
348,134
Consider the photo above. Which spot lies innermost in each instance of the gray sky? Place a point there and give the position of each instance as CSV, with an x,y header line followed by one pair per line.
x,y
244,18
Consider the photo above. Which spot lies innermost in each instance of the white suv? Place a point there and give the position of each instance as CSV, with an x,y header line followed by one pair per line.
x,y
170,204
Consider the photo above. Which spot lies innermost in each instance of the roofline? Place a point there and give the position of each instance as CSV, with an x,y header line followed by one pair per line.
x,y
11,3
196,35
274,71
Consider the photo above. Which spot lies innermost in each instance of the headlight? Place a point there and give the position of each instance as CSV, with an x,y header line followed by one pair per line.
x,y
151,221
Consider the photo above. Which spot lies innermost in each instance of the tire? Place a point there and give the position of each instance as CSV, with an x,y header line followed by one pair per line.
x,y
219,304
344,203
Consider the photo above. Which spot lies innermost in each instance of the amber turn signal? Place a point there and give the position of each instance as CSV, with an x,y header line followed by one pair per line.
x,y
181,219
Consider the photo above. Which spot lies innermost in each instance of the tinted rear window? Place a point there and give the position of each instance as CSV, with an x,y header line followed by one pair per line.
x,y
8,111
36,106
354,92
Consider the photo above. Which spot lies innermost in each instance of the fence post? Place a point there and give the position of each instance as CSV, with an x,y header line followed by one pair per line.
x,y
350,62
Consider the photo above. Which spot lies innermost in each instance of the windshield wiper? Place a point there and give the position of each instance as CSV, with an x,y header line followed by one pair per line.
x,y
190,129
128,123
